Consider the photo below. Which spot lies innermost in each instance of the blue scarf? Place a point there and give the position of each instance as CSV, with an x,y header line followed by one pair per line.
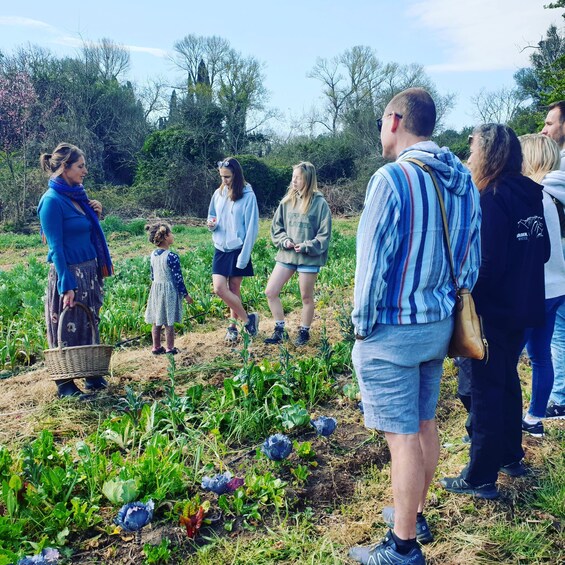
x,y
78,194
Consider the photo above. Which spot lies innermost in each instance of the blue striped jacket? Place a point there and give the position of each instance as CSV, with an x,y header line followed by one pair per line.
x,y
402,274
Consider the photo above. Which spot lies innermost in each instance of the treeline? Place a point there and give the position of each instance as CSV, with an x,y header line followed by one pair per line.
x,y
154,147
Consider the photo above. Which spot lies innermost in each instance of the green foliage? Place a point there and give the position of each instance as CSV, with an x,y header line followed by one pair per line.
x,y
269,182
332,155
157,554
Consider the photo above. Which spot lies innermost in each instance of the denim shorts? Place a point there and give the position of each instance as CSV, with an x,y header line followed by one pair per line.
x,y
399,369
300,268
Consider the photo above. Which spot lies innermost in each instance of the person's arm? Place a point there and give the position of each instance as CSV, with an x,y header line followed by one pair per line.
x,y
279,236
472,262
51,218
377,242
212,221
173,261
321,241
251,212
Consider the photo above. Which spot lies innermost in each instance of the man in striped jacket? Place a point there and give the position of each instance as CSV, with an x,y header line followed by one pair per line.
x,y
404,299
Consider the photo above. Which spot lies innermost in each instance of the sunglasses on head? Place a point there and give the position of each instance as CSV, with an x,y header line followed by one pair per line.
x,y
225,164
380,120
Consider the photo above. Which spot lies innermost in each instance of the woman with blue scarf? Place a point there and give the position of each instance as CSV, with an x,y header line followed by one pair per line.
x,y
78,254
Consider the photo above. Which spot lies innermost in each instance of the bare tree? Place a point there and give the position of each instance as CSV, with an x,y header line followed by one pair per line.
x,y
192,50
111,58
154,96
498,106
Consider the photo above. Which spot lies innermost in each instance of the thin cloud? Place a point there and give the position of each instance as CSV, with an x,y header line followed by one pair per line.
x,y
155,51
15,21
484,35
77,42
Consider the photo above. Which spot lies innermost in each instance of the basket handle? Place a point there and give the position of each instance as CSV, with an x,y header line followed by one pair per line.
x,y
61,317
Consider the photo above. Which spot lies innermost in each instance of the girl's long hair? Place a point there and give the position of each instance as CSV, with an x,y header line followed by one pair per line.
x,y
235,192
541,155
310,187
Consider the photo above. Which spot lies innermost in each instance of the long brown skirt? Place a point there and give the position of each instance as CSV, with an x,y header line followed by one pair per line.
x,y
77,329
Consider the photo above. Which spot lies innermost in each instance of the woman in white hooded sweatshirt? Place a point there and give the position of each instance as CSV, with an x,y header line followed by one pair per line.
x,y
233,219
541,163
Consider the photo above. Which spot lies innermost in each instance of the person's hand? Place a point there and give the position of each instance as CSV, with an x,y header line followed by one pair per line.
x,y
211,223
298,248
96,206
289,244
188,299
69,299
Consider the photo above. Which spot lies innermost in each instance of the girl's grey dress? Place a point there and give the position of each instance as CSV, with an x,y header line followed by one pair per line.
x,y
164,306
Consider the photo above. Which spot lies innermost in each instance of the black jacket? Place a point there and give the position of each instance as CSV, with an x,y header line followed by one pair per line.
x,y
514,247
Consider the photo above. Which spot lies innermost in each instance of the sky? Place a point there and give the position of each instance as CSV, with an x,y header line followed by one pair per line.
x,y
465,45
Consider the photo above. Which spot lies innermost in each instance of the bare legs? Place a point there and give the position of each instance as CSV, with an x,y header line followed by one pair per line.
x,y
306,281
229,290
414,458
169,337
279,277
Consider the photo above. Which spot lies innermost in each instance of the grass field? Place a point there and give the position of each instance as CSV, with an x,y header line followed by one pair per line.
x,y
67,467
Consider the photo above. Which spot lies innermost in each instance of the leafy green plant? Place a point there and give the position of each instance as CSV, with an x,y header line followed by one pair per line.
x,y
294,416
157,554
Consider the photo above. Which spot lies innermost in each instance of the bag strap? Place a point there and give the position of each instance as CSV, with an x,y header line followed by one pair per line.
x,y
429,170
560,214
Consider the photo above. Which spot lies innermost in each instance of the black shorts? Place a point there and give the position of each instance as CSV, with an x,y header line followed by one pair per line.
x,y
224,264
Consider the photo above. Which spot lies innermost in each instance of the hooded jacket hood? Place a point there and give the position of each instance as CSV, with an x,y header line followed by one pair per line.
x,y
451,173
554,185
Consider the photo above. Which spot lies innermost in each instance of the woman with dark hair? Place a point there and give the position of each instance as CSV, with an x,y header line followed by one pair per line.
x,y
233,219
509,295
78,254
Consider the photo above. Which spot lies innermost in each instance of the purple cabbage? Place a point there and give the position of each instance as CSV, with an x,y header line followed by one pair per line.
x,y
277,447
46,557
134,516
222,483
324,425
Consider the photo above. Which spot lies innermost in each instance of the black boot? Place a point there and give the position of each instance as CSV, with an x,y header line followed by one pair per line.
x,y
95,383
303,336
67,387
279,335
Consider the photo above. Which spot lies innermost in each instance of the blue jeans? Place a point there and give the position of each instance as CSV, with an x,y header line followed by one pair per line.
x,y
558,354
399,368
538,345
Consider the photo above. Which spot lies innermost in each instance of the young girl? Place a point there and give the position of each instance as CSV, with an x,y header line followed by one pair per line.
x,y
233,219
301,229
164,306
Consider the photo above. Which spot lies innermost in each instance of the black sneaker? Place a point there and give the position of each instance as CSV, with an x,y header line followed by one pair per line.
x,y
516,469
535,430
386,553
303,337
232,335
459,485
423,534
279,335
556,411
252,325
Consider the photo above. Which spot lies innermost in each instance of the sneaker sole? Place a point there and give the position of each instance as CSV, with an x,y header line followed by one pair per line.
x,y
554,417
534,434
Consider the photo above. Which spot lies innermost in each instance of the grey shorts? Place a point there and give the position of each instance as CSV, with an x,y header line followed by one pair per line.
x,y
399,369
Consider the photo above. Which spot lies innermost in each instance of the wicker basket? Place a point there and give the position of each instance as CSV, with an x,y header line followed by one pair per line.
x,y
79,361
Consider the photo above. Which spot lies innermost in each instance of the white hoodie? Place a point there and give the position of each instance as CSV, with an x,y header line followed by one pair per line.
x,y
554,185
